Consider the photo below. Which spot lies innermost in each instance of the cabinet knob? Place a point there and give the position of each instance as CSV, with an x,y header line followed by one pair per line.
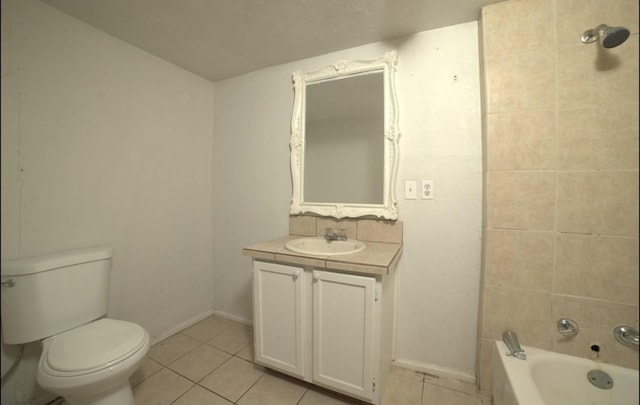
x,y
296,274
316,276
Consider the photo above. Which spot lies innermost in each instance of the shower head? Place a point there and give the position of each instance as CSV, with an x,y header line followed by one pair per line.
x,y
610,37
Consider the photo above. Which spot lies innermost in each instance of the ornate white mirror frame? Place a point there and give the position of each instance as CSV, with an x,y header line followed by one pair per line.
x,y
385,64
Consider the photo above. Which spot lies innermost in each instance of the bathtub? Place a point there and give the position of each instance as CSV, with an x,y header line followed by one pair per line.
x,y
548,378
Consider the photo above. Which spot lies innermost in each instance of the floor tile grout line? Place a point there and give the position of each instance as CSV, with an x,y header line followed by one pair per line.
x,y
205,376
206,342
309,387
183,394
249,389
476,394
303,395
221,364
215,393
189,379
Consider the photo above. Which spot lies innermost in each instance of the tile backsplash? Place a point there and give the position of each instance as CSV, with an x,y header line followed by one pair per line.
x,y
372,230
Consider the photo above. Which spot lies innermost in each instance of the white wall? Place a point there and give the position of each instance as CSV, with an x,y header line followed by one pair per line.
x,y
116,148
105,144
439,95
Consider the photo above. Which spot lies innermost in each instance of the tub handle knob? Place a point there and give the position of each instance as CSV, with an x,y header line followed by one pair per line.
x,y
567,327
626,335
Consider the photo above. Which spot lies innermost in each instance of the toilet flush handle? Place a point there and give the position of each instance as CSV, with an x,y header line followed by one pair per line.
x,y
9,283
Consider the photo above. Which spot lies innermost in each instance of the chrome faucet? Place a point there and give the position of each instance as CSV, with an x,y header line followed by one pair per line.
x,y
567,327
510,339
626,335
330,235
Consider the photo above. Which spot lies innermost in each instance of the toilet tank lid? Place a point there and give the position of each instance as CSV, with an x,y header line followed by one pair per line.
x,y
49,261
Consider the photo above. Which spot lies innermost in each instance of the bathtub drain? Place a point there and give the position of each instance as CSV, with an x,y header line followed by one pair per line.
x,y
600,379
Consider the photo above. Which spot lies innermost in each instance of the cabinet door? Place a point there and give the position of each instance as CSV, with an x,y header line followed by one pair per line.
x,y
278,316
343,330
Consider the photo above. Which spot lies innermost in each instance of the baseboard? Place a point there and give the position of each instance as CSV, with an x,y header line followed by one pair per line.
x,y
438,371
181,326
230,317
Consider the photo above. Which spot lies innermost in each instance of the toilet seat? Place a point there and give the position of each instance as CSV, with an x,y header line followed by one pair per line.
x,y
92,347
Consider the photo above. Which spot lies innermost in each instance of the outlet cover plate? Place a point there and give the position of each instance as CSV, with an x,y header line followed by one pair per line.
x,y
426,190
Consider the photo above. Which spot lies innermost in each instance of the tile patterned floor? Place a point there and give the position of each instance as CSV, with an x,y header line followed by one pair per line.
x,y
211,363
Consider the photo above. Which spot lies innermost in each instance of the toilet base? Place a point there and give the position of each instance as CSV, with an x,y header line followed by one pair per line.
x,y
120,395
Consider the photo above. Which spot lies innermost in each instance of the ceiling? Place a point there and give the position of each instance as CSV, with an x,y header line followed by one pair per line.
x,y
218,39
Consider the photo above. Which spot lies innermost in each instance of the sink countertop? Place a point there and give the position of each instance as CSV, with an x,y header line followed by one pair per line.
x,y
377,258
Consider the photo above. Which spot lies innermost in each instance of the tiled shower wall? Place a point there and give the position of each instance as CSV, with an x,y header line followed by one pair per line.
x,y
561,173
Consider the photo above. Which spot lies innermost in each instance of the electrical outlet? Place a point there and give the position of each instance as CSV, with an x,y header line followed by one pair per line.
x,y
426,190
410,190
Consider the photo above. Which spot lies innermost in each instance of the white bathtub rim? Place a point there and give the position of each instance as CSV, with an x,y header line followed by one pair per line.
x,y
520,371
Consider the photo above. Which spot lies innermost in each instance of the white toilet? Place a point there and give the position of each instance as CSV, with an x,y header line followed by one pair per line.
x,y
61,299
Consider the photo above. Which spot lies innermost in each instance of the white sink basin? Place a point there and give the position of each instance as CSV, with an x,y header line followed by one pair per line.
x,y
319,246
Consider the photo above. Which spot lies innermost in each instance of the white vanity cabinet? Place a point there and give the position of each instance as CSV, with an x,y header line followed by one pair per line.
x,y
278,308
346,319
326,327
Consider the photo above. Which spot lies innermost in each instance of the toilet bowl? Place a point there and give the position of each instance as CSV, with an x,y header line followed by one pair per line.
x,y
92,360
61,300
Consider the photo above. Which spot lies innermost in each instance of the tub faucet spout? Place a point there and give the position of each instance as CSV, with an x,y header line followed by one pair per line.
x,y
510,339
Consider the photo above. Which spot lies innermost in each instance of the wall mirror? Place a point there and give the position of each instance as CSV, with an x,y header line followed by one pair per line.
x,y
344,139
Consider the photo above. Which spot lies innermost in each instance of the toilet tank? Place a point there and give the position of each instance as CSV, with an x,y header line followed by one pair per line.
x,y
51,293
